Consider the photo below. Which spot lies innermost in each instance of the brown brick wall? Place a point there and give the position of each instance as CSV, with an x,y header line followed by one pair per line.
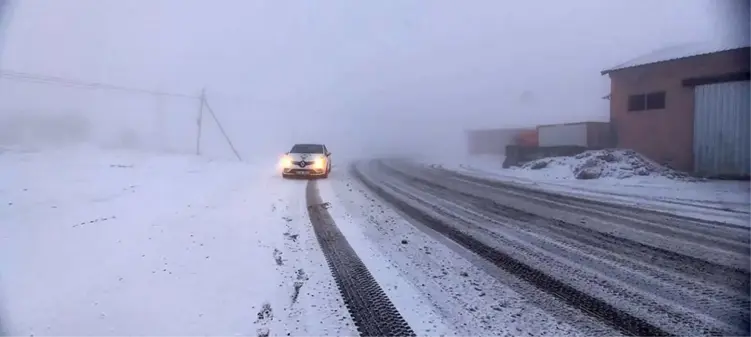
x,y
666,135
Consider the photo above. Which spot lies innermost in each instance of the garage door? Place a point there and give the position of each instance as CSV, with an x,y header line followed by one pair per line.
x,y
721,129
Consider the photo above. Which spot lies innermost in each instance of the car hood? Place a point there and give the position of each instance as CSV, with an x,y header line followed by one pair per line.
x,y
304,156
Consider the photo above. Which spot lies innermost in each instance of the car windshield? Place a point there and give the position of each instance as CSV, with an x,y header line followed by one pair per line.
x,y
307,148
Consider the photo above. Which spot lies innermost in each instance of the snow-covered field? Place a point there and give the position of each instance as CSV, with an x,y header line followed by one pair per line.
x,y
103,243
726,201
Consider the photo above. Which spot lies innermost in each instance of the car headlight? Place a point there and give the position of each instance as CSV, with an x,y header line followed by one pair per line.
x,y
286,162
320,162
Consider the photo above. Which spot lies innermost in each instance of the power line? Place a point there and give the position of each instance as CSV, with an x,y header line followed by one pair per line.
x,y
68,82
73,83
211,112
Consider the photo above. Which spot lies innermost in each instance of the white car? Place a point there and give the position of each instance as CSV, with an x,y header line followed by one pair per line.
x,y
306,160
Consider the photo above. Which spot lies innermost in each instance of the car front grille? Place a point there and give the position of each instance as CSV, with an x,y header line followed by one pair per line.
x,y
303,171
300,163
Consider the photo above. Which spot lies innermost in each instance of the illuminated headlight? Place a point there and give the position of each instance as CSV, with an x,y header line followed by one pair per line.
x,y
286,162
320,163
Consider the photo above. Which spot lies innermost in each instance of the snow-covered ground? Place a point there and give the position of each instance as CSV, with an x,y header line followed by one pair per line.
x,y
439,288
726,201
406,296
99,242
104,243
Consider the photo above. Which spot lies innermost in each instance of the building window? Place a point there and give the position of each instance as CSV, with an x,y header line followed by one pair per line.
x,y
637,103
649,101
656,100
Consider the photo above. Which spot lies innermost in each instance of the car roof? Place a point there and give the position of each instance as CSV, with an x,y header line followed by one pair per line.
x,y
308,144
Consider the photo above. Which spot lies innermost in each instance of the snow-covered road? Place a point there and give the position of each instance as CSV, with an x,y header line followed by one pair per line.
x,y
122,243
638,271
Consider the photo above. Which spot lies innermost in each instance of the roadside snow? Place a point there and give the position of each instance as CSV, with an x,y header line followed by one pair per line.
x,y
410,302
726,201
105,243
618,164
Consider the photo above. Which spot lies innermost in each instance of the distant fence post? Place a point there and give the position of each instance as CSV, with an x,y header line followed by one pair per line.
x,y
200,121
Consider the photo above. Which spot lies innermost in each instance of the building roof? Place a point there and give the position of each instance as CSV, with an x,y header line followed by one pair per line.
x,y
681,51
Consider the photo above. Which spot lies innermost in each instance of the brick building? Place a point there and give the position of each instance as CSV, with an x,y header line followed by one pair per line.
x,y
686,107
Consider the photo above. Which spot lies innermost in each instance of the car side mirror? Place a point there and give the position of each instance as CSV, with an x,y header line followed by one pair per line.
x,y
328,154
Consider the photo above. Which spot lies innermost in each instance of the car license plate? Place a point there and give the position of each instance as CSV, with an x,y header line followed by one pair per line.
x,y
302,172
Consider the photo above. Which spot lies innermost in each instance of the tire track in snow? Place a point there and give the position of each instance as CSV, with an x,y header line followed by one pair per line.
x,y
718,251
594,234
594,306
466,290
716,262
729,306
370,308
711,232
306,303
634,289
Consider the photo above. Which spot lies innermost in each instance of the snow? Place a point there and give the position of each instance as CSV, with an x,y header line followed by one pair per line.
x,y
682,51
619,164
122,243
726,201
410,302
467,295
97,242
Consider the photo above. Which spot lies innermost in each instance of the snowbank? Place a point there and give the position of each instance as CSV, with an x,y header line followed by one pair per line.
x,y
619,164
623,177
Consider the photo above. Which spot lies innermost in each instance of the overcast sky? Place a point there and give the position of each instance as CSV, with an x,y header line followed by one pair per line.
x,y
372,74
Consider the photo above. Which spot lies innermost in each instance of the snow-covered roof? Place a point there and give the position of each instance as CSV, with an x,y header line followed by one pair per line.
x,y
681,51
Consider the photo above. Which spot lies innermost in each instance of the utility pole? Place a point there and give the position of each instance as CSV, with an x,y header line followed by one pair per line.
x,y
7,7
200,121
221,129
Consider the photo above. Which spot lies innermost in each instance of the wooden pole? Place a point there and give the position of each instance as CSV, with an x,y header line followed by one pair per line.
x,y
200,121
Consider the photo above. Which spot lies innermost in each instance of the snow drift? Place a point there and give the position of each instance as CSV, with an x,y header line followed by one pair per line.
x,y
619,164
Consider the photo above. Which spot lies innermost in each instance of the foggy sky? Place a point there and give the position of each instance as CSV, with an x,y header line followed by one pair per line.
x,y
357,74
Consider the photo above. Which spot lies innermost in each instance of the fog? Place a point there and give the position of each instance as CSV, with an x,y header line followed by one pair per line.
x,y
365,77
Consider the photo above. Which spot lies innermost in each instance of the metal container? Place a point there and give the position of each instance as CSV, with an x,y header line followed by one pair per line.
x,y
587,134
721,129
528,138
492,141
